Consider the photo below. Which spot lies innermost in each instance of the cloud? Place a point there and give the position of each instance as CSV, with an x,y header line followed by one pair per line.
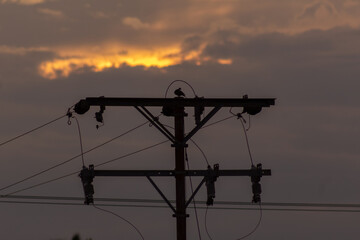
x,y
135,23
21,50
24,2
51,12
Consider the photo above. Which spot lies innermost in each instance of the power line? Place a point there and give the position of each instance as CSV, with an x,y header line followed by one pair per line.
x,y
81,143
198,207
122,218
130,154
32,130
256,226
73,173
205,219
72,158
157,201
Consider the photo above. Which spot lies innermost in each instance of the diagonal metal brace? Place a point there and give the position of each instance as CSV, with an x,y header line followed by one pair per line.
x,y
195,192
154,121
202,123
161,194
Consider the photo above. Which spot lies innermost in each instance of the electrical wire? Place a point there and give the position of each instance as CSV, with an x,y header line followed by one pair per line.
x,y
299,206
219,121
77,172
247,142
32,130
202,208
255,228
202,152
124,219
192,191
132,153
72,158
81,143
166,92
206,228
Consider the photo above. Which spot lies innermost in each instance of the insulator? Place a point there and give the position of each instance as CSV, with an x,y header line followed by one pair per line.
x,y
87,176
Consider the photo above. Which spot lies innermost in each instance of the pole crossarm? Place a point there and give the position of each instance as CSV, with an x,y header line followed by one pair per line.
x,y
173,173
180,102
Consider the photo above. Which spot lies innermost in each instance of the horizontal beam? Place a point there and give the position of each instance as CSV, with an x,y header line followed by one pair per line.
x,y
181,102
170,173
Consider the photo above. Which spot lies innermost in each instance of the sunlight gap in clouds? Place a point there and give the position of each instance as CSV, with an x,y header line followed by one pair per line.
x,y
80,59
66,64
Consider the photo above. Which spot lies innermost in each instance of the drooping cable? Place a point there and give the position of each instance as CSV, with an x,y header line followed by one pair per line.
x,y
166,92
77,172
192,192
206,228
202,152
81,143
72,158
247,142
255,228
122,218
242,120
32,130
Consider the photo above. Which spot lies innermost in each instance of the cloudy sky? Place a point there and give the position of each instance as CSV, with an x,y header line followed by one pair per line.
x,y
304,53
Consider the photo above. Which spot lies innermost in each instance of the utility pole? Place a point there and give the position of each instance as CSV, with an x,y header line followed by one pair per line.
x,y
175,107
180,178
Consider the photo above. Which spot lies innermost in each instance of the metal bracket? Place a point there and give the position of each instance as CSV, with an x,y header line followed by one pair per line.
x,y
161,194
155,121
195,192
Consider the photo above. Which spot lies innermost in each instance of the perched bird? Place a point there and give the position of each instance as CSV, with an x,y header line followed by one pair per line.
x,y
179,93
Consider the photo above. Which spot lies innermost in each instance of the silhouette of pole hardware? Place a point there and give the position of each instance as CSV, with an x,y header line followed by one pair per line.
x,y
175,107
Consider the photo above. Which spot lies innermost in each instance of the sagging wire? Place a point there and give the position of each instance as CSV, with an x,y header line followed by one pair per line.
x,y
32,130
192,191
243,121
255,228
206,228
122,218
202,152
166,92
70,116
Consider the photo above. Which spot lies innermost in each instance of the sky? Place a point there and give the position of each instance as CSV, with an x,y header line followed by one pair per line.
x,y
305,54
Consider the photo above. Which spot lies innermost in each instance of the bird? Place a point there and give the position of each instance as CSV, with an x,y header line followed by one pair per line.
x,y
179,93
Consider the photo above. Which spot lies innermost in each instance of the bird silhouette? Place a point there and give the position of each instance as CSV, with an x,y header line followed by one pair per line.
x,y
179,93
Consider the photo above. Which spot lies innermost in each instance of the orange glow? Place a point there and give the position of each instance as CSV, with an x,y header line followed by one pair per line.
x,y
225,61
100,58
63,67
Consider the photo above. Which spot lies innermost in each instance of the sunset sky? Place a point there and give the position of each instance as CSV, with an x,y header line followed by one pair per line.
x,y
306,54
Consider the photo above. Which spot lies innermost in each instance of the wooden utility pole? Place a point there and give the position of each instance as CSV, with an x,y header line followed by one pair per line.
x,y
175,107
